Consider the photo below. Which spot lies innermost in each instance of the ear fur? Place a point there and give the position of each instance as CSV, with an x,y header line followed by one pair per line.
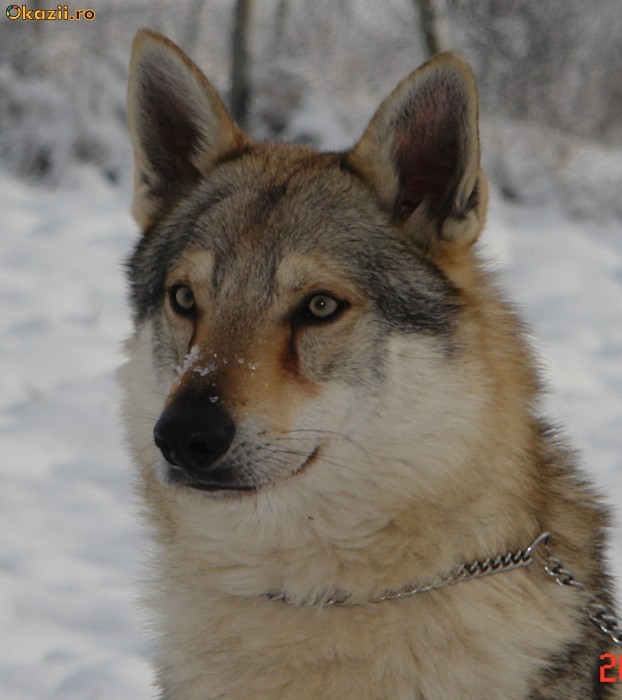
x,y
420,153
178,124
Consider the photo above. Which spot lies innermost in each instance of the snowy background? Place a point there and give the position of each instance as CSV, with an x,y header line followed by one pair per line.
x,y
71,546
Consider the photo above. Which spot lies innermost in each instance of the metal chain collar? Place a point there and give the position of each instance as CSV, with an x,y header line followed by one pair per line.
x,y
601,615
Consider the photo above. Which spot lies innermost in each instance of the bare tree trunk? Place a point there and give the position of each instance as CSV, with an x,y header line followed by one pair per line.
x,y
432,15
240,81
192,25
280,23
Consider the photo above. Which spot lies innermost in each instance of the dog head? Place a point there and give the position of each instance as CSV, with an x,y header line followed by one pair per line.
x,y
302,309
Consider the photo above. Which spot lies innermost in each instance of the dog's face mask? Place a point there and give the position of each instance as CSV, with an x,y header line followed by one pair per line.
x,y
275,283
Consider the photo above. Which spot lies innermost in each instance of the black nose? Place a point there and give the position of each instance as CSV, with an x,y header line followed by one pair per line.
x,y
194,434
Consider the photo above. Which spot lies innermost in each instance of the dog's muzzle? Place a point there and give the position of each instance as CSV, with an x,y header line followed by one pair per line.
x,y
192,434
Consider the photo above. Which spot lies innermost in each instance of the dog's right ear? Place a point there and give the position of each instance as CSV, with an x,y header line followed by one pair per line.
x,y
178,124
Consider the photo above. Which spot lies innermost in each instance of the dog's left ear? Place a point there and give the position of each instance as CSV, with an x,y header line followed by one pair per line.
x,y
420,153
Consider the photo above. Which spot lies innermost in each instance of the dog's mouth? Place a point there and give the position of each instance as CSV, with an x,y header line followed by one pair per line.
x,y
223,480
215,480
311,458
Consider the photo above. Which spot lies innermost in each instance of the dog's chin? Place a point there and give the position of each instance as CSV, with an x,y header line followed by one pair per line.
x,y
225,482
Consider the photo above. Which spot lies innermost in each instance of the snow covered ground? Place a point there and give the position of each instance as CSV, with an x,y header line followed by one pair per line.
x,y
71,546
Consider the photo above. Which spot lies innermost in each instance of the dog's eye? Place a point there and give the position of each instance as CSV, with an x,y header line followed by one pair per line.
x,y
322,307
182,299
318,308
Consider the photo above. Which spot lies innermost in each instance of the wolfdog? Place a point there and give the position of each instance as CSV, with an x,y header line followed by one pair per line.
x,y
334,413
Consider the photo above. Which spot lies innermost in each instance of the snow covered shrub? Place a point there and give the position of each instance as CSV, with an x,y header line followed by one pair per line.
x,y
49,124
38,123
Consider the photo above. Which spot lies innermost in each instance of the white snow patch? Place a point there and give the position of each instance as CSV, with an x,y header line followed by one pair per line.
x,y
189,360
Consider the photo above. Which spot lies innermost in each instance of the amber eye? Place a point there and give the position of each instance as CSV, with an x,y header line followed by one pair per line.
x,y
182,299
322,306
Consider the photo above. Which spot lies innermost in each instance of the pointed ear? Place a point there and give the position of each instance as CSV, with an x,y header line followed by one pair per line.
x,y
421,154
178,124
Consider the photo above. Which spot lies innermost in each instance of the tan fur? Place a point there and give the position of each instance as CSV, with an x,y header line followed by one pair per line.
x,y
444,464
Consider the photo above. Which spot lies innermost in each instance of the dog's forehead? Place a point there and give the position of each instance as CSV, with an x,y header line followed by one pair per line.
x,y
293,203
252,216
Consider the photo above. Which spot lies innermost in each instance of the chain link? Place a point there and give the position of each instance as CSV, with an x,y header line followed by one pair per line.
x,y
598,613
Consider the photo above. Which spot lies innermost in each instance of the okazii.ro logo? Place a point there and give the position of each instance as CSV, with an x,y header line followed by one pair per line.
x,y
60,12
